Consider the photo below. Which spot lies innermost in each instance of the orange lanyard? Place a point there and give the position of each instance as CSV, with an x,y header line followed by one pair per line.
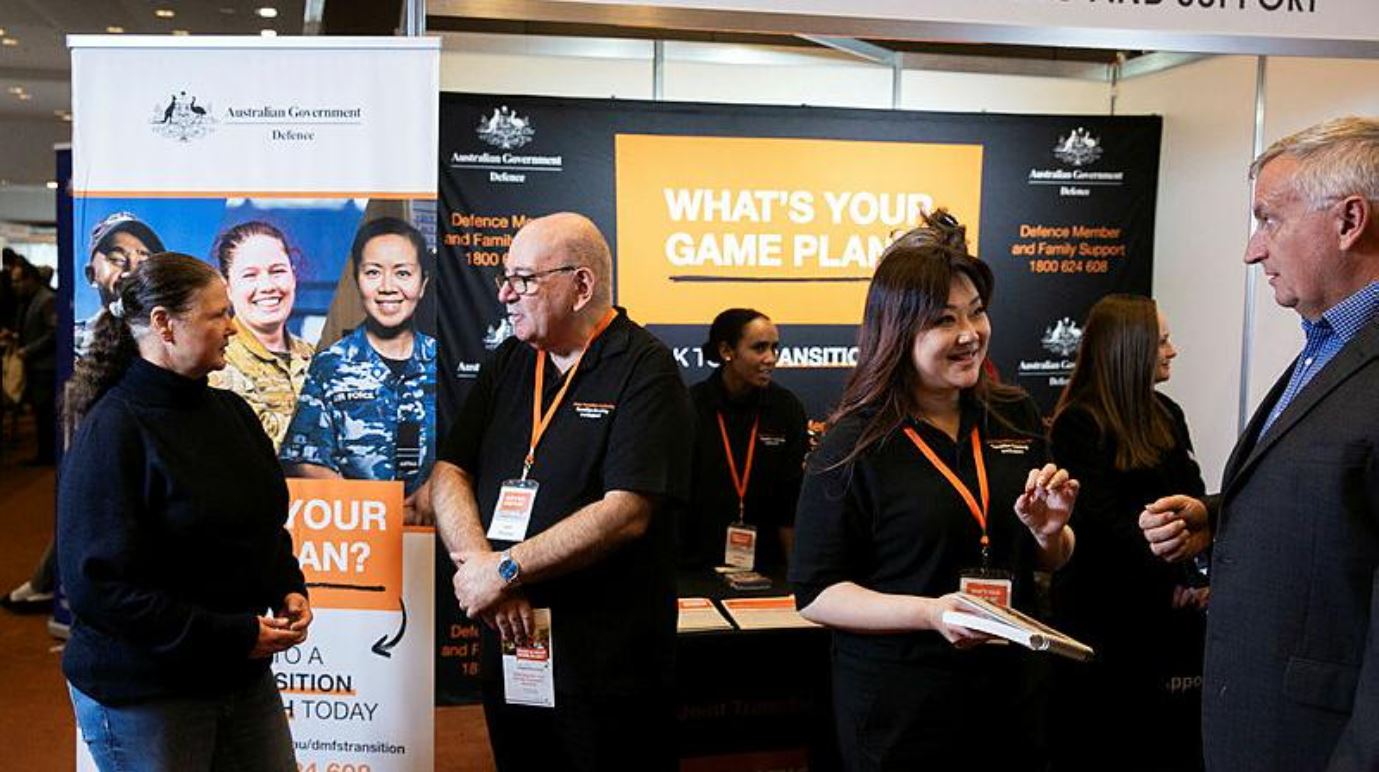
x,y
539,422
739,483
978,512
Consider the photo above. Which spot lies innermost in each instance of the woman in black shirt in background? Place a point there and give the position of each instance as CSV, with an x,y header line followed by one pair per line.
x,y
739,407
1128,444
920,487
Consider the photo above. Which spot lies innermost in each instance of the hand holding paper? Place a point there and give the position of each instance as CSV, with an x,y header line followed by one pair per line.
x,y
513,618
937,619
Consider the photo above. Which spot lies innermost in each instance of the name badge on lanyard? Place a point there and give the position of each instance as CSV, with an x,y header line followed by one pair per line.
x,y
985,582
512,513
740,546
517,498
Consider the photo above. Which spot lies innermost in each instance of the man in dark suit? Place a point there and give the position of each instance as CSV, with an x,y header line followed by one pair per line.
x,y
1291,680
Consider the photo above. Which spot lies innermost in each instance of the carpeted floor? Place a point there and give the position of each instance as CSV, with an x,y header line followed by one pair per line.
x,y
36,730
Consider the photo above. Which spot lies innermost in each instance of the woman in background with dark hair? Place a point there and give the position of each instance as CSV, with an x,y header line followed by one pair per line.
x,y
265,363
750,441
171,506
1128,444
922,488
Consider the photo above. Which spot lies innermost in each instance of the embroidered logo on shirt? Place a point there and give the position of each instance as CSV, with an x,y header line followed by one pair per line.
x,y
1010,447
593,410
353,395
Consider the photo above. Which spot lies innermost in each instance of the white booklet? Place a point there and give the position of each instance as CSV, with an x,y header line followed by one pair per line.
x,y
528,676
1003,622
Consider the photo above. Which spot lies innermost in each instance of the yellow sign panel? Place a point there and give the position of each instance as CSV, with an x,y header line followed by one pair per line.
x,y
792,227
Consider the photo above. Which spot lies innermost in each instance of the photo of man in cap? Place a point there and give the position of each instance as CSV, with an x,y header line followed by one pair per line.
x,y
118,244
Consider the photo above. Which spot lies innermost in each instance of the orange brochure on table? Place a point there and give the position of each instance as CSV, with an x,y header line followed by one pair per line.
x,y
697,614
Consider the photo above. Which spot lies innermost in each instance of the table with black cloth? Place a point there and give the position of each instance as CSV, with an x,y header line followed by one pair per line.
x,y
752,699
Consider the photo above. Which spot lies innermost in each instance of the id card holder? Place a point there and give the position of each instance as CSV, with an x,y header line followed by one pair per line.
x,y
529,670
512,513
740,547
992,585
407,453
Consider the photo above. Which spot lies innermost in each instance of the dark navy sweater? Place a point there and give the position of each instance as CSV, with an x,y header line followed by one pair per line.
x,y
171,507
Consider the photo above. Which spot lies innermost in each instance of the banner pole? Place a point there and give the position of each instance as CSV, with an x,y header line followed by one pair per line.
x,y
897,72
1252,271
414,18
658,70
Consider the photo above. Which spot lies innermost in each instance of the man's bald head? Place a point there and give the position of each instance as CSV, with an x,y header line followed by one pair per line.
x,y
567,238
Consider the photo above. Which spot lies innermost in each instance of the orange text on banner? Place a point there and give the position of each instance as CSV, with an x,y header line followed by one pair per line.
x,y
347,535
790,226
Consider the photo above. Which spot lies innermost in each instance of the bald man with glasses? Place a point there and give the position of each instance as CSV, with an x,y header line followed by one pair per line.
x,y
555,494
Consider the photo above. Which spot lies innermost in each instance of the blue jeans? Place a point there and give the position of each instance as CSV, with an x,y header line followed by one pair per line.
x,y
244,730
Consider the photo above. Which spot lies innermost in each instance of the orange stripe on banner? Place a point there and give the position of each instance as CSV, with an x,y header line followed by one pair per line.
x,y
350,693
418,529
760,603
379,194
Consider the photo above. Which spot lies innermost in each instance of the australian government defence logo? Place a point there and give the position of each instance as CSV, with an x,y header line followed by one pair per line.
x,y
182,119
1079,148
1060,341
506,129
1076,151
503,130
493,337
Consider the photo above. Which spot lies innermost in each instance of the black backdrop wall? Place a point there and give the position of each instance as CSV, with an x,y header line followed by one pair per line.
x,y
785,209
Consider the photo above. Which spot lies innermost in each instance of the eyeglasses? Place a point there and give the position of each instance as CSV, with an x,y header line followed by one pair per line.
x,y
525,283
123,258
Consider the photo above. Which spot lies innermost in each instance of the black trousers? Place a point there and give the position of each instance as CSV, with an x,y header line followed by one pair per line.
x,y
42,396
633,732
977,711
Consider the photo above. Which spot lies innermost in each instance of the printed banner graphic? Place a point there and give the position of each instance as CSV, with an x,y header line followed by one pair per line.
x,y
303,171
786,210
350,694
348,538
757,215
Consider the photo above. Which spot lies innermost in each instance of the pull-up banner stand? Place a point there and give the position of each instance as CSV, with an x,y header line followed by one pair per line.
x,y
294,144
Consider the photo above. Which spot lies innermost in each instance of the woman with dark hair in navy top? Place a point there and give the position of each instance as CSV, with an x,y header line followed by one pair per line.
x,y
181,578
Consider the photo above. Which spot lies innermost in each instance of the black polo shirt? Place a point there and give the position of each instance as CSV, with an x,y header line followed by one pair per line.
x,y
624,425
891,522
777,468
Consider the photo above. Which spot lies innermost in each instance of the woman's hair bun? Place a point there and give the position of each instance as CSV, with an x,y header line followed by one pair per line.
x,y
946,231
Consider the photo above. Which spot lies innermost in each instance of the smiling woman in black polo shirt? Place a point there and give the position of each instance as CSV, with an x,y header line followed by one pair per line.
x,y
920,487
749,445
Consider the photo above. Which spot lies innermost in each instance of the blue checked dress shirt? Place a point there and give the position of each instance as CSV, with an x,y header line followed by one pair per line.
x,y
1325,337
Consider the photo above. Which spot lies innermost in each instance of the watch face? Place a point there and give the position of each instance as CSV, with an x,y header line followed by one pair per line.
x,y
507,569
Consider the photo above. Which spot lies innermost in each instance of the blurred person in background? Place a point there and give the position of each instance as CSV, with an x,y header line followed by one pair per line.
x,y
1128,444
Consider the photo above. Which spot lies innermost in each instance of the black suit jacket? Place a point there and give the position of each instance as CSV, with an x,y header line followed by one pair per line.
x,y
1291,679
38,332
